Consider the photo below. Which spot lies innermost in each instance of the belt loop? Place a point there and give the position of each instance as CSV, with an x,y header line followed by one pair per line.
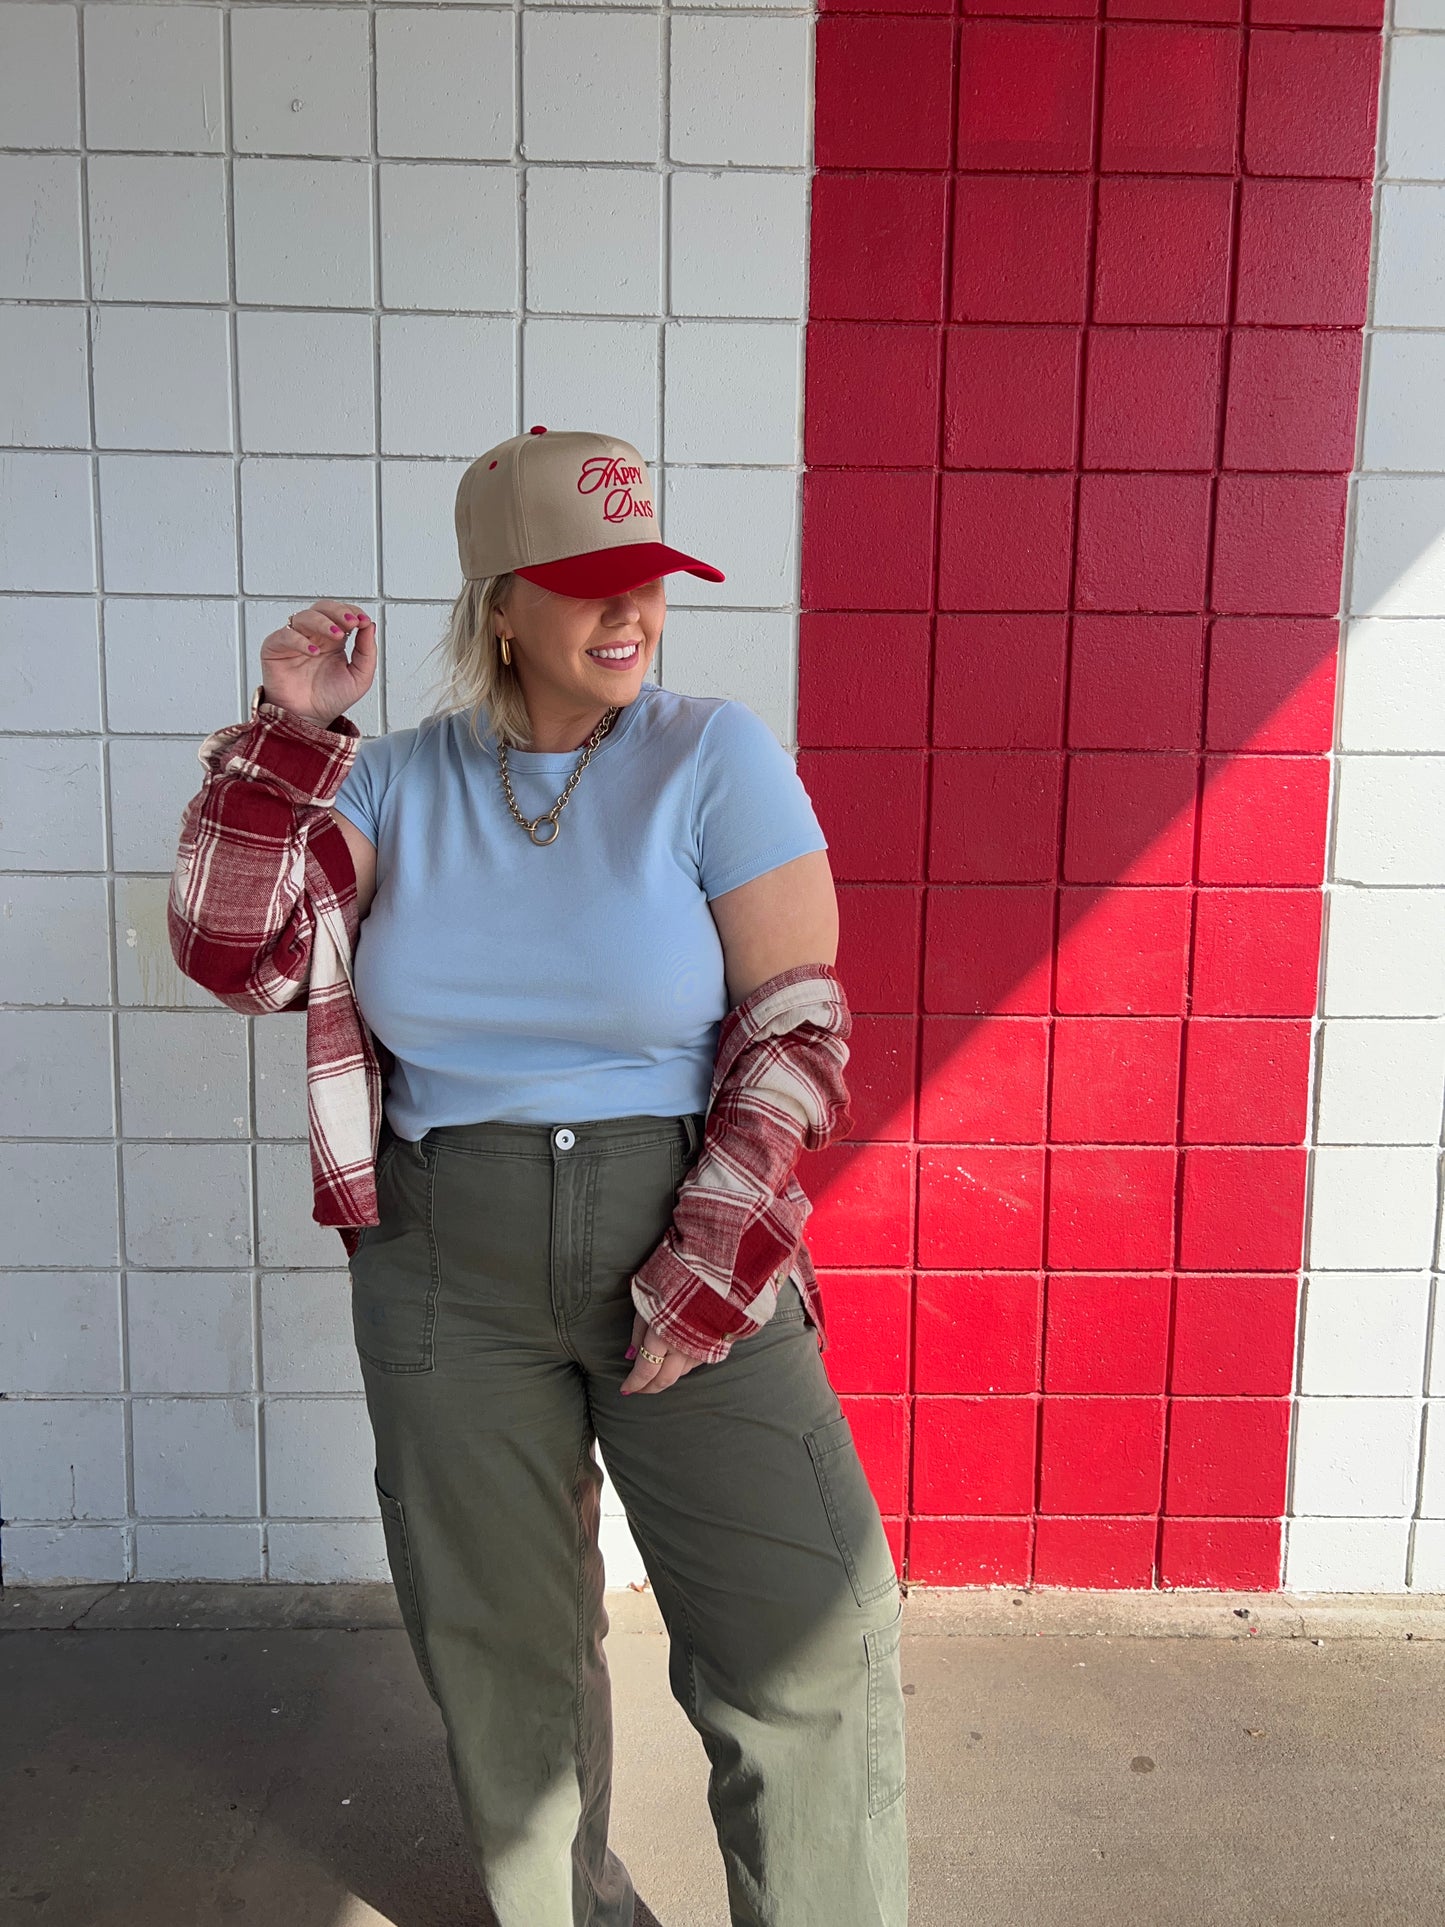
x,y
693,1136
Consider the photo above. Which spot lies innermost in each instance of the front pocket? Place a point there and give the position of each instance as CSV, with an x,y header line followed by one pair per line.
x,y
403,1576
852,1510
385,1151
395,1276
790,1309
886,1776
629,1207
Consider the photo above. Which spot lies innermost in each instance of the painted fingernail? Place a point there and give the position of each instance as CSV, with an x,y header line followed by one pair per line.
x,y
631,1352
625,1392
313,648
334,630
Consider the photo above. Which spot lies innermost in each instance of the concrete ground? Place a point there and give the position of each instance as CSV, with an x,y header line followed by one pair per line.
x,y
188,1756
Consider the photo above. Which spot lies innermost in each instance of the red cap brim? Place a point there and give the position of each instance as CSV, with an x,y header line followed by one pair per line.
x,y
604,572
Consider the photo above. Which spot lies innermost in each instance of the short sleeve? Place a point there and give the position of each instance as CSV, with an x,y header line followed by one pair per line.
x,y
359,798
750,809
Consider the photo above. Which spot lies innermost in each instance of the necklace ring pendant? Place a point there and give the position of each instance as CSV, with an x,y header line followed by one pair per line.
x,y
532,829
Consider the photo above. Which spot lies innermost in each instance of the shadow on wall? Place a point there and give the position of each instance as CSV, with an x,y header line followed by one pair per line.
x,y
1112,950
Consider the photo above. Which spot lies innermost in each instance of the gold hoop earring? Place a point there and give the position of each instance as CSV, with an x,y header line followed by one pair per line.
x,y
506,651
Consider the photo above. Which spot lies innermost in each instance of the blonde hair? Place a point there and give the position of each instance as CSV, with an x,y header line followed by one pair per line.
x,y
476,680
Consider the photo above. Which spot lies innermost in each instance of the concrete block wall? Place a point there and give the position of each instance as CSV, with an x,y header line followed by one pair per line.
x,y
1368,1489
269,275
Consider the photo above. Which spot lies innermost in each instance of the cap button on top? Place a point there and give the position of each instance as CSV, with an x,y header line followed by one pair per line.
x,y
536,431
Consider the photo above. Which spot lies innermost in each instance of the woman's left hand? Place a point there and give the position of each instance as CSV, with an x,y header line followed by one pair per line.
x,y
647,1377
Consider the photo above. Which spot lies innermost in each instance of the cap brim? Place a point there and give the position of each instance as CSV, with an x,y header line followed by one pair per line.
x,y
603,572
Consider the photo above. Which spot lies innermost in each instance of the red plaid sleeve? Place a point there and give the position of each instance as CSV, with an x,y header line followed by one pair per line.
x,y
259,857
737,1224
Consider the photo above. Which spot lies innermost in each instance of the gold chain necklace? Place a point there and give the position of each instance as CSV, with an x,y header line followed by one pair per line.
x,y
551,816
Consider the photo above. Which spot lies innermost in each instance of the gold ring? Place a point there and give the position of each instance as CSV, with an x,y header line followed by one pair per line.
x,y
655,1357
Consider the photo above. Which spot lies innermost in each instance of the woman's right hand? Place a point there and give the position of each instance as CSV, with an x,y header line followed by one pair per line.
x,y
304,667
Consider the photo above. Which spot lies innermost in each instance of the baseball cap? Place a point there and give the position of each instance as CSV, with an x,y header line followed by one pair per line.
x,y
569,510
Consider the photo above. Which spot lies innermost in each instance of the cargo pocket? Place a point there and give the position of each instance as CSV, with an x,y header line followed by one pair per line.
x,y
395,1276
403,1577
886,1777
852,1510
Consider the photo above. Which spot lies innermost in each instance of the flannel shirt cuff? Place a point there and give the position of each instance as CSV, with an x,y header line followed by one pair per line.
x,y
689,1313
305,761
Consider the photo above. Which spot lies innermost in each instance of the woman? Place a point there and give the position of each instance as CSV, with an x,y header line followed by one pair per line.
x,y
597,966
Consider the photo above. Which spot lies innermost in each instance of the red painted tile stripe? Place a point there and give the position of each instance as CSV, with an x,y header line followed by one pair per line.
x,y
1087,285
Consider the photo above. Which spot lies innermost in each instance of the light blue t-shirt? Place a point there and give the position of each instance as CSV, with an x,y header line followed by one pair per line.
x,y
585,979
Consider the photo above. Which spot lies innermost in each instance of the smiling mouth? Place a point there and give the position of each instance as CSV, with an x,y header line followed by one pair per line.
x,y
619,655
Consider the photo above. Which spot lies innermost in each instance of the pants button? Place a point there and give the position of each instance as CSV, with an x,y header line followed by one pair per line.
x,y
564,1139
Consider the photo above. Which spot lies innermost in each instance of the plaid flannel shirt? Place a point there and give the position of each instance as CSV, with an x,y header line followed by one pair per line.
x,y
263,913
737,1226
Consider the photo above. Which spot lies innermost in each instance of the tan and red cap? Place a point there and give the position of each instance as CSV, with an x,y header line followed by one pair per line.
x,y
571,511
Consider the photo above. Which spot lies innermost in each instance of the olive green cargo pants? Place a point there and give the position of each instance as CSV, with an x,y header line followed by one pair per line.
x,y
492,1313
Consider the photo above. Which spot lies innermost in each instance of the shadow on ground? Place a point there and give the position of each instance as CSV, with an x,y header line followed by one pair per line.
x,y
297,1777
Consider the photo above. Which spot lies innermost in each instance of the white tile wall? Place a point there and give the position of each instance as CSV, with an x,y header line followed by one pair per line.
x,y
198,1551
733,391
301,80
1414,144
41,252
52,662
1388,815
445,85
1368,1360
307,382
306,1333
303,233
1364,1333
162,378
60,1332
194,1458
1373,1205
47,523
1393,694
1348,1555
738,243
1357,1456
592,240
43,386
190,1332
622,385
293,511
1409,290
39,76
445,381
570,64
169,524
318,1458
449,236
157,227
740,92
56,1076
154,78
269,275
1380,1081
64,1458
